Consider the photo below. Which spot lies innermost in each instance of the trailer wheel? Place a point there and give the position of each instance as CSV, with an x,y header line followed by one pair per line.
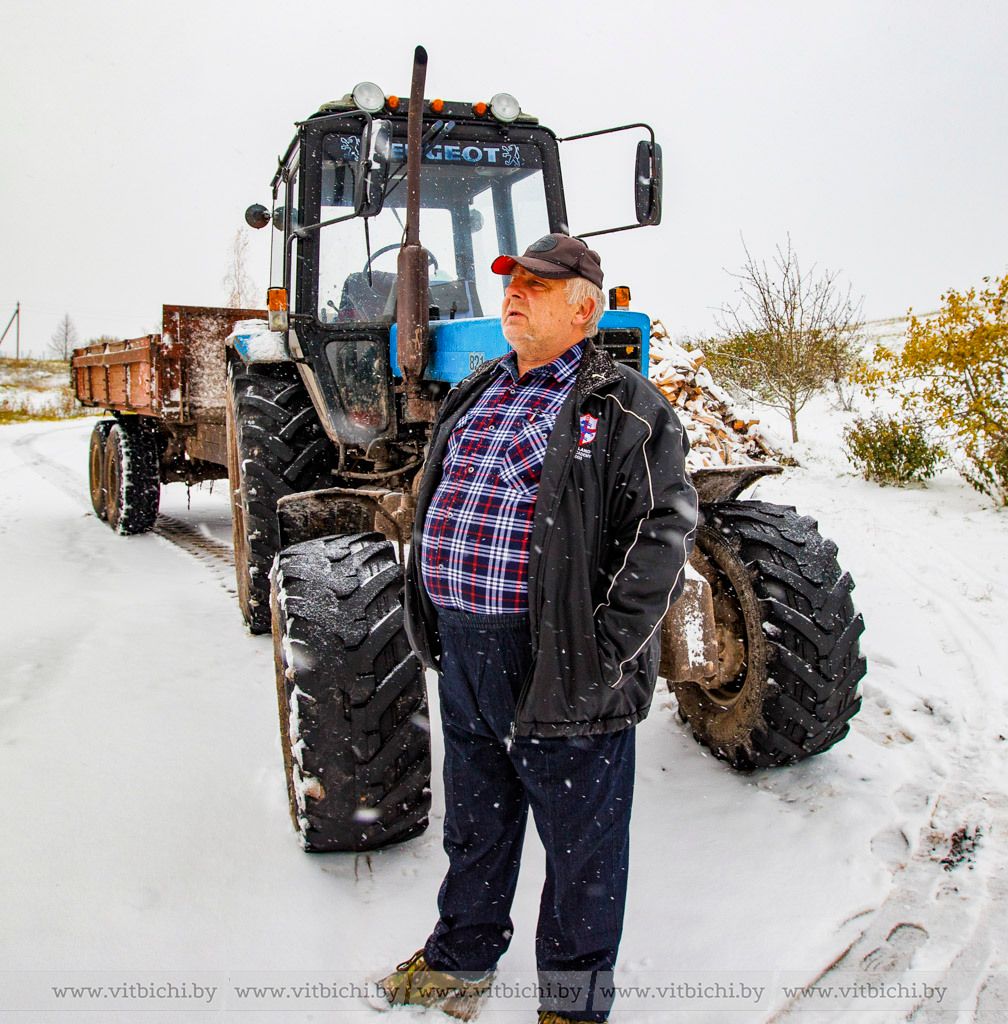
x,y
788,638
96,467
276,446
132,483
353,708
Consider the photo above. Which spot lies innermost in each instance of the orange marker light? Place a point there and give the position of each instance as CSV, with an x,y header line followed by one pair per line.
x,y
619,297
480,108
393,102
276,302
437,106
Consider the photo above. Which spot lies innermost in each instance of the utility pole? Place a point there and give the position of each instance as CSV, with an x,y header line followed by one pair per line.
x,y
16,315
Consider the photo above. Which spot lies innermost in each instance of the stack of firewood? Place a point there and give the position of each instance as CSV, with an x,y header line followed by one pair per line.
x,y
720,433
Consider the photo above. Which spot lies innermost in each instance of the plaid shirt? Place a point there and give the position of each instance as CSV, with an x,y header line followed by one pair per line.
x,y
474,556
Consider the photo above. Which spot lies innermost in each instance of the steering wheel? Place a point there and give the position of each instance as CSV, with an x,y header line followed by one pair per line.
x,y
431,258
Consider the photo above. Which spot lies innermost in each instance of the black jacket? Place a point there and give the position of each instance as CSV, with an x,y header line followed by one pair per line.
x,y
614,524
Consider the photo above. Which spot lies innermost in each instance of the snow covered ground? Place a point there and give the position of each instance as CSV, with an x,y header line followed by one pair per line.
x,y
146,841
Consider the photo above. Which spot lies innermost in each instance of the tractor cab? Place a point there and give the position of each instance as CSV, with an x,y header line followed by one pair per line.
x,y
377,341
489,182
486,187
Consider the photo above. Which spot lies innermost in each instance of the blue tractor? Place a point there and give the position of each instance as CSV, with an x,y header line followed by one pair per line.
x,y
330,409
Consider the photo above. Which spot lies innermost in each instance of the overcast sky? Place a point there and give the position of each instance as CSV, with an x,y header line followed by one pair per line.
x,y
875,133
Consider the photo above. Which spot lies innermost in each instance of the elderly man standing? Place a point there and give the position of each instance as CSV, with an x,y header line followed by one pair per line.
x,y
554,521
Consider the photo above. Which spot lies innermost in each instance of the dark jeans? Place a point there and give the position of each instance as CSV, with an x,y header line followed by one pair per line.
x,y
580,790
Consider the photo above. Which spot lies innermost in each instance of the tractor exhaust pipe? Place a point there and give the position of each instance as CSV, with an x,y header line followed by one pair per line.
x,y
413,296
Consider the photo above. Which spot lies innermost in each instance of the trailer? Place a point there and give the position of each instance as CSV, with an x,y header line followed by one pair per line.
x,y
167,394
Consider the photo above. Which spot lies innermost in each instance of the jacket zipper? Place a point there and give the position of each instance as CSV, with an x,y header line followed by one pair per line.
x,y
523,693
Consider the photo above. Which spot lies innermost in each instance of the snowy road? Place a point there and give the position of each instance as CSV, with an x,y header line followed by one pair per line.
x,y
146,840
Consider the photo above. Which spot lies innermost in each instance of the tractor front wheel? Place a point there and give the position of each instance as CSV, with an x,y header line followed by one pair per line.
x,y
352,702
789,658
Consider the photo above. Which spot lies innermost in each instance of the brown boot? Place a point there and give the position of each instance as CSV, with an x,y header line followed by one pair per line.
x,y
413,983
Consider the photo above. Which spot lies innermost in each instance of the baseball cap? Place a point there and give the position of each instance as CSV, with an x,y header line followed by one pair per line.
x,y
555,256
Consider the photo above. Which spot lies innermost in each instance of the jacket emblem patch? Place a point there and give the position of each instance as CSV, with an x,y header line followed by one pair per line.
x,y
589,425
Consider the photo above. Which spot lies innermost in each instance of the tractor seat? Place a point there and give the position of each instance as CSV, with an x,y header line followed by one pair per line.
x,y
361,301
455,300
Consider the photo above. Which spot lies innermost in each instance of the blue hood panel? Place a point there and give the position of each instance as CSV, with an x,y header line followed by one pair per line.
x,y
459,346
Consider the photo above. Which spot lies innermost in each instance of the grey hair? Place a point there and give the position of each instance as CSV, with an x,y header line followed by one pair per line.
x,y
578,290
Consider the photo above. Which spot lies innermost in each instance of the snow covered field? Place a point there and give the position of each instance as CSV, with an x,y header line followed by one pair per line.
x,y
32,388
146,841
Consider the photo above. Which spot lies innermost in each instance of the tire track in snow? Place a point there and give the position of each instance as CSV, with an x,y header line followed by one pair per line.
x,y
213,554
59,476
948,922
216,556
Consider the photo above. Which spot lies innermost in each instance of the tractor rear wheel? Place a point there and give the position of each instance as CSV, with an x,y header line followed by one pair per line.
x,y
96,467
351,696
131,476
787,636
276,446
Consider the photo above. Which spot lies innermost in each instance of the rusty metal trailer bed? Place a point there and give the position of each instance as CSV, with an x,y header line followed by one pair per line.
x,y
168,397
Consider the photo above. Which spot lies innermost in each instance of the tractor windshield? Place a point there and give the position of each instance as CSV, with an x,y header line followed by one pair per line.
x,y
481,196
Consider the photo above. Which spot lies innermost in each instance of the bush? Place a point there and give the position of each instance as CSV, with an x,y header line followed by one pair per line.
x,y
953,370
985,467
892,451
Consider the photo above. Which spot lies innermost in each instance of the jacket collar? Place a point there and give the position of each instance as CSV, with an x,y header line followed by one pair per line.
x,y
597,369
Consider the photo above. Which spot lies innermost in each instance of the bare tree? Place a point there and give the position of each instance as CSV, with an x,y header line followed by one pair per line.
x,y
790,335
240,289
64,338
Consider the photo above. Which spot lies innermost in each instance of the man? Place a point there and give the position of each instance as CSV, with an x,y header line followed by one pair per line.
x,y
554,521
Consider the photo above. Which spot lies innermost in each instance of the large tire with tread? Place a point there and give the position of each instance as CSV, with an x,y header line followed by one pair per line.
x,y
131,474
353,707
782,601
96,467
276,446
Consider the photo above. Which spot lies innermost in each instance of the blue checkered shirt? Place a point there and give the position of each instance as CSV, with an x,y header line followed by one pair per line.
x,y
476,532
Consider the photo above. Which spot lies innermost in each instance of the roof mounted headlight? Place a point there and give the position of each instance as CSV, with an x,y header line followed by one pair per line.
x,y
368,97
504,107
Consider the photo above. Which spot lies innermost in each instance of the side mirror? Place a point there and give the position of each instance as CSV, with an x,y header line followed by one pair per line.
x,y
373,169
257,216
648,183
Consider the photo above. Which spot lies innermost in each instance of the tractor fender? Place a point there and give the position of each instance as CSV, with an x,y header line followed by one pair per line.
x,y
728,482
254,342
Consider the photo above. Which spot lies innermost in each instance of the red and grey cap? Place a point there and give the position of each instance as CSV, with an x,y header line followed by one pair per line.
x,y
555,256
